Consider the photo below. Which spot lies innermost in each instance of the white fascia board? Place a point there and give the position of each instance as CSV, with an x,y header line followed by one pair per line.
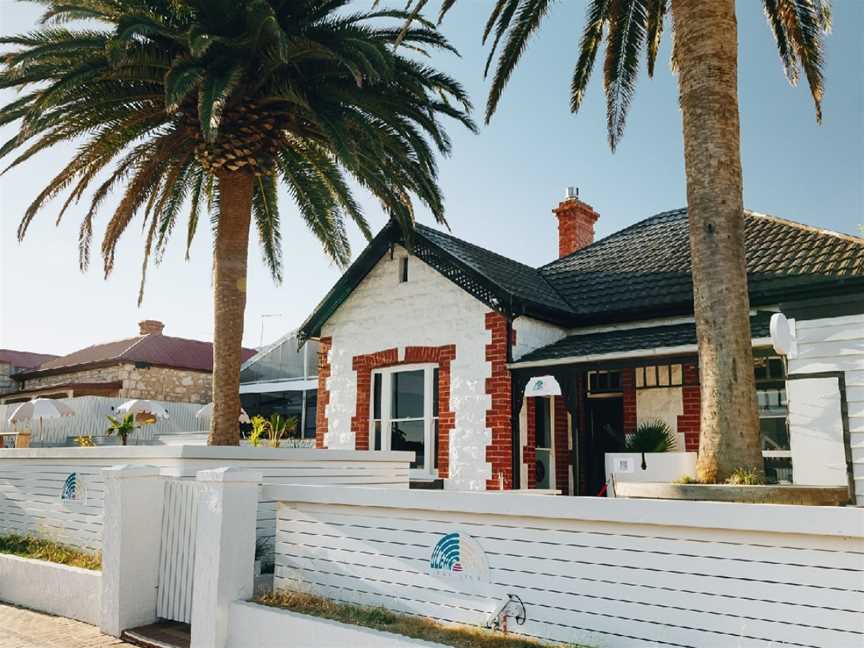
x,y
299,384
637,353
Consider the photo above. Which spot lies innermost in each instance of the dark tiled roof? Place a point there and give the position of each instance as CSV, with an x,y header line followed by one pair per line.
x,y
640,272
646,267
24,359
153,349
516,278
634,339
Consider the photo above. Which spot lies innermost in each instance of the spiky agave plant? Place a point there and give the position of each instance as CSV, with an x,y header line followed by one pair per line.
x,y
214,102
704,54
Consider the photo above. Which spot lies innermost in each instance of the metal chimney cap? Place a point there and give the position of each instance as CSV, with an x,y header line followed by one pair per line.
x,y
571,193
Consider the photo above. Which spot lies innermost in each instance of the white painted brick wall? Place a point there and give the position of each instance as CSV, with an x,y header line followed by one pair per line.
x,y
532,334
428,310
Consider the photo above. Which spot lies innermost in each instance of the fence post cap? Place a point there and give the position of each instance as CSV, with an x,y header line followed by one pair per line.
x,y
229,474
130,471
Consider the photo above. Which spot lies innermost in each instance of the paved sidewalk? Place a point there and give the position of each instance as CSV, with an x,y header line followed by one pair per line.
x,y
20,628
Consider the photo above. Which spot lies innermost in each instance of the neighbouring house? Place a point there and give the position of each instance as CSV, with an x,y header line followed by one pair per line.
x,y
150,365
282,378
13,362
432,350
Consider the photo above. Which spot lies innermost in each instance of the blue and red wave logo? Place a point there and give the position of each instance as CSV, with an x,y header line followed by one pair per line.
x,y
459,554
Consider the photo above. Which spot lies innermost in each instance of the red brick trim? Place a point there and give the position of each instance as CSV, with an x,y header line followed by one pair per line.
x,y
562,451
499,452
365,364
688,421
324,346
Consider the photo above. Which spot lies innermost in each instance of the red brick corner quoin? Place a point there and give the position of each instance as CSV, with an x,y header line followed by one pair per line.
x,y
498,387
365,364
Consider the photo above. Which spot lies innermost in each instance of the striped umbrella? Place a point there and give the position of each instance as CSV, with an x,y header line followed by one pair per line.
x,y
40,408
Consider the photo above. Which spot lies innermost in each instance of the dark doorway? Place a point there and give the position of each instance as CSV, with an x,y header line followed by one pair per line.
x,y
605,418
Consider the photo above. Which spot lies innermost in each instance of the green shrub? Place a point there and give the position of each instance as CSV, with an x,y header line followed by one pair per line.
x,y
41,549
745,477
651,436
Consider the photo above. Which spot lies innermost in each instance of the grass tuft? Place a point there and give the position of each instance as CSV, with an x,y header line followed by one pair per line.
x,y
41,549
379,618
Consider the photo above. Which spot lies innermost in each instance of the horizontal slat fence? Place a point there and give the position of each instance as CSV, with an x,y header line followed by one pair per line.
x,y
630,578
90,420
32,480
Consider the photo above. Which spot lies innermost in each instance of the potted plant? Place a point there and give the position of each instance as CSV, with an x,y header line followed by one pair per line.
x,y
649,454
122,427
259,430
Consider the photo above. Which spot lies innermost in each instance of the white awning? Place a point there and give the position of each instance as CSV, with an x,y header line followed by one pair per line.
x,y
543,386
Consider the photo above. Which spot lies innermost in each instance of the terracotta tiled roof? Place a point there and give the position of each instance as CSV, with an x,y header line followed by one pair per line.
x,y
162,350
24,359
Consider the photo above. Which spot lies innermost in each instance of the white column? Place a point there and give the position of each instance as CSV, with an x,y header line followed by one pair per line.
x,y
224,551
131,537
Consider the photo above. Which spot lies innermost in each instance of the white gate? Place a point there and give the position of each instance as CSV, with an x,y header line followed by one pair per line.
x,y
177,554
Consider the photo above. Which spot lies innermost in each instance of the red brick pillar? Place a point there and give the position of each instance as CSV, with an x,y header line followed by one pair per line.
x,y
688,421
498,417
325,344
529,454
562,452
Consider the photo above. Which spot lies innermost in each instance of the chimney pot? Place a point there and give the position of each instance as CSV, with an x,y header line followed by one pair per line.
x,y
575,223
150,327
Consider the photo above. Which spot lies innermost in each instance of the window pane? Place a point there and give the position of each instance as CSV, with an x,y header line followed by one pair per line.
x,y
775,368
778,470
435,394
408,435
541,418
614,380
376,396
775,436
435,444
376,435
407,390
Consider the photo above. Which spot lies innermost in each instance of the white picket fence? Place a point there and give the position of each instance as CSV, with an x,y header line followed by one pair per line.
x,y
90,420
32,480
604,573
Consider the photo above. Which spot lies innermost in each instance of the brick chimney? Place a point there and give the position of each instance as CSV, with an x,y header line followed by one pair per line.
x,y
150,327
575,223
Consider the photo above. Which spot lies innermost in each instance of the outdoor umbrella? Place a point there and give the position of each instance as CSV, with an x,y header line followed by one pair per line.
x,y
40,408
147,410
207,412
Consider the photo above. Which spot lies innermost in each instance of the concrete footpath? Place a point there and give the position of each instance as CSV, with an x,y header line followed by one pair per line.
x,y
20,628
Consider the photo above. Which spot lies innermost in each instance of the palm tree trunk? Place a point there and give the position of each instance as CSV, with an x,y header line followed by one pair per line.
x,y
706,49
229,304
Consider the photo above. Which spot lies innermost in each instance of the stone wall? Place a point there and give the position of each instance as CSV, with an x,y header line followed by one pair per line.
x,y
155,383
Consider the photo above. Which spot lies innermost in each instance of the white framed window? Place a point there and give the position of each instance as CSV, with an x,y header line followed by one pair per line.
x,y
770,374
404,414
544,442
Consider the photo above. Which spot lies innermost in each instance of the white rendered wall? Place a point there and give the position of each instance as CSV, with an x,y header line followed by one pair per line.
x,y
836,344
49,587
427,310
608,573
258,626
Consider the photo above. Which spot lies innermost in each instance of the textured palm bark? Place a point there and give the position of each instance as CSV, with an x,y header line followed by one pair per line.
x,y
229,304
706,43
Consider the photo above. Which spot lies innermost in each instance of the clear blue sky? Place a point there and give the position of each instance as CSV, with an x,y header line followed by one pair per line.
x,y
499,185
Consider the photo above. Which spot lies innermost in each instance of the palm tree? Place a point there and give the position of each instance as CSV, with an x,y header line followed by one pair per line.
x,y
213,102
704,54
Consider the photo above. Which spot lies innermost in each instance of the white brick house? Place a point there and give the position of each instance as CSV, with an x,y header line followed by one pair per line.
x,y
431,350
